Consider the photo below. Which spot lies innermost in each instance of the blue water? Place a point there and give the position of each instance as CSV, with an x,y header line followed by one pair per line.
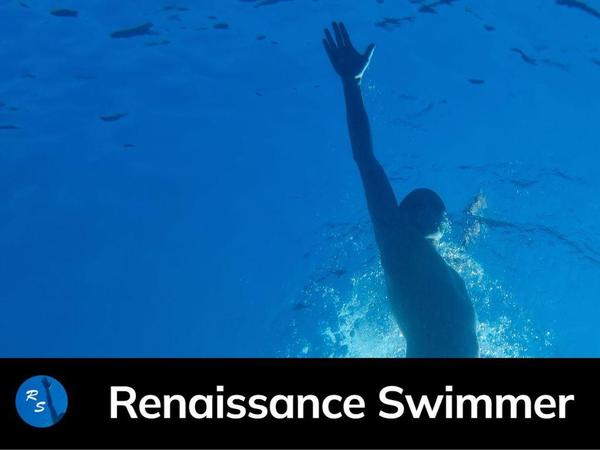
x,y
187,189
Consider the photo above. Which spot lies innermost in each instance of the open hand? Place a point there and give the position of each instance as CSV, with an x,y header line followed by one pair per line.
x,y
347,62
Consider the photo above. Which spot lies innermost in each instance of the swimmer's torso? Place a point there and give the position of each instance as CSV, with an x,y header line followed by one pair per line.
x,y
428,298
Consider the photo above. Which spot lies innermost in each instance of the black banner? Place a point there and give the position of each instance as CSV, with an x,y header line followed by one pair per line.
x,y
295,403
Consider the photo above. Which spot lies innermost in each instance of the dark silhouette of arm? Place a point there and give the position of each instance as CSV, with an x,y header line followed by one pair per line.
x,y
55,417
350,66
381,199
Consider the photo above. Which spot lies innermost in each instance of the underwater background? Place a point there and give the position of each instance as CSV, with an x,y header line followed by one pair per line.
x,y
176,177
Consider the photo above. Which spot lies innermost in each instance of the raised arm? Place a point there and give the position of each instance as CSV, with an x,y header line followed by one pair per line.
x,y
54,416
350,66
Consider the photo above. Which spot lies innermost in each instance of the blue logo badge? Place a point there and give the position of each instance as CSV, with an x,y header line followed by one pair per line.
x,y
41,401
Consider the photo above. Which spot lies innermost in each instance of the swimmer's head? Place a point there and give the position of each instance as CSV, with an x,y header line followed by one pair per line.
x,y
425,211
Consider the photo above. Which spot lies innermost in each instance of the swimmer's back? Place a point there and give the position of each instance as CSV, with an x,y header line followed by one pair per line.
x,y
428,297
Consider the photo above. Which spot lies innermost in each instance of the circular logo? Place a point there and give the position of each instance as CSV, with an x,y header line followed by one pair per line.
x,y
41,401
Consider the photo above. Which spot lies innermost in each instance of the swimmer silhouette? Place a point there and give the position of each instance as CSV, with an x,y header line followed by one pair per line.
x,y
428,298
53,415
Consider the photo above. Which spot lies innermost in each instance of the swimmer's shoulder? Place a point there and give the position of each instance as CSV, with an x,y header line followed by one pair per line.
x,y
397,235
458,280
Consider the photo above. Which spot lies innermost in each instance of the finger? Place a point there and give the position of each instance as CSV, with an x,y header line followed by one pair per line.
x,y
338,35
329,40
345,35
328,49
